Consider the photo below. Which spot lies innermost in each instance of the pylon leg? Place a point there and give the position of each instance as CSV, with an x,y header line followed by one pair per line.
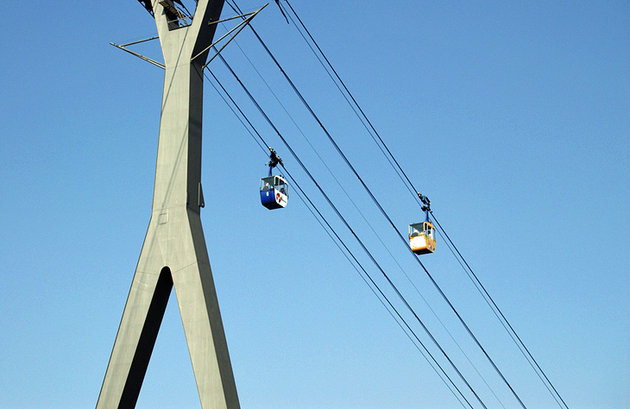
x,y
181,240
139,326
201,319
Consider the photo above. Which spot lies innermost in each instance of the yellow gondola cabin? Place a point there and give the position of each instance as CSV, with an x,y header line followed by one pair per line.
x,y
422,238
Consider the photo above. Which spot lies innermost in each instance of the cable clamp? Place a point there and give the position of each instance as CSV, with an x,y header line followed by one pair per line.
x,y
426,202
274,158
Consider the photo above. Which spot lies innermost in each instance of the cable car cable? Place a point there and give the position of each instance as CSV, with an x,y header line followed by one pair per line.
x,y
399,167
362,117
315,151
350,252
368,223
504,321
382,297
354,109
308,107
292,179
512,336
264,143
348,226
262,146
301,97
548,383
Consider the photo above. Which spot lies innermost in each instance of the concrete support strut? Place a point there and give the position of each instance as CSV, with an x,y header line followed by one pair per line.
x,y
174,252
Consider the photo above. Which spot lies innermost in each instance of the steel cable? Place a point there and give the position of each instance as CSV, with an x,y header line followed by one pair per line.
x,y
367,189
369,224
349,227
400,171
342,243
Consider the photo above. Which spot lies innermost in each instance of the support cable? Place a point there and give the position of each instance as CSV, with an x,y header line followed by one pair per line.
x,y
399,170
347,253
399,294
376,202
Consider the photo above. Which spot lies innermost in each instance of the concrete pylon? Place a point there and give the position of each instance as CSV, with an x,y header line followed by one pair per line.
x,y
174,252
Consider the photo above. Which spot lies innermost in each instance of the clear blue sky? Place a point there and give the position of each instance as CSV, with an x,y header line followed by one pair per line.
x,y
512,116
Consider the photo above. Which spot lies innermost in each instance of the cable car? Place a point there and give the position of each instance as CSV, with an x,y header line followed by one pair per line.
x,y
422,237
274,192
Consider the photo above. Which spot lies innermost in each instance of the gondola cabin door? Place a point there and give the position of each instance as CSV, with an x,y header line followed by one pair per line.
x,y
422,238
274,192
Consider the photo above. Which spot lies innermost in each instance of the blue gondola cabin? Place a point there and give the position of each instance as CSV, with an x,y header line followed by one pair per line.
x,y
274,192
422,238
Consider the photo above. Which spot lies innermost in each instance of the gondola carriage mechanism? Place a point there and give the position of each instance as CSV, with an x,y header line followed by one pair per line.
x,y
274,189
